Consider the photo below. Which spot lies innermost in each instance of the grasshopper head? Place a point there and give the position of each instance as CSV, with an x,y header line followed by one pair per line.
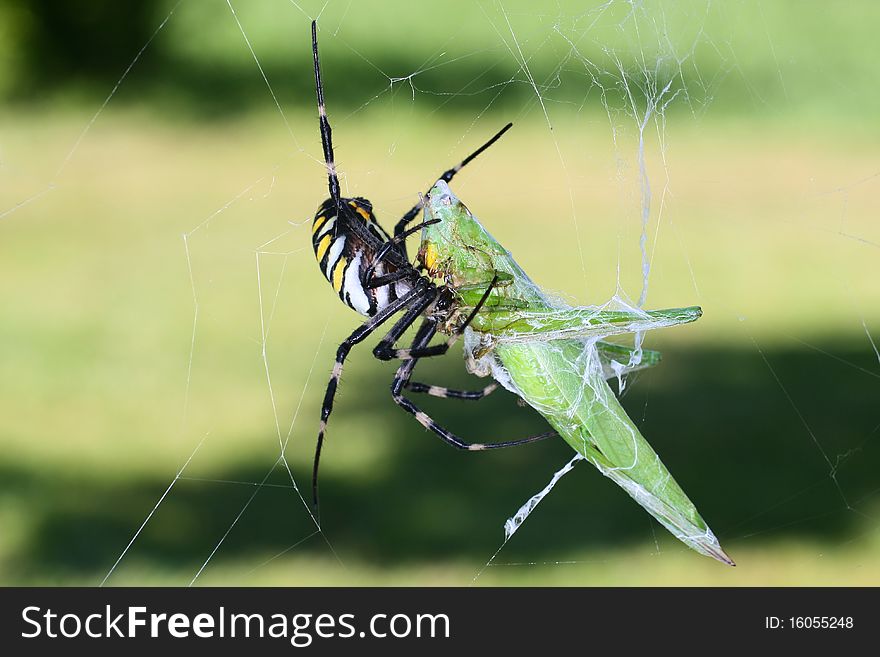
x,y
457,248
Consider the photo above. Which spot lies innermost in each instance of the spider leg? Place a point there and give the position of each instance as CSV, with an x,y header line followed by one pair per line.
x,y
324,124
401,378
419,297
367,279
379,281
437,349
401,232
448,393
446,176
385,349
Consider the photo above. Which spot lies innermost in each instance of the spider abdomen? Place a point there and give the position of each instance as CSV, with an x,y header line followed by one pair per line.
x,y
346,241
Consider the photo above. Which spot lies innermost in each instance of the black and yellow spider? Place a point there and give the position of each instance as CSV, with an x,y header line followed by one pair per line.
x,y
372,274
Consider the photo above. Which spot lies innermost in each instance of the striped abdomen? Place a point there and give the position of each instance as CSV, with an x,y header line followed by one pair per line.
x,y
344,256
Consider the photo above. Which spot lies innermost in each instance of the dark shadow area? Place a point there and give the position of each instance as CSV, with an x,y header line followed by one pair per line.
x,y
757,466
77,42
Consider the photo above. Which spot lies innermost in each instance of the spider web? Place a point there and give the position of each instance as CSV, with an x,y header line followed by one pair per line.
x,y
618,88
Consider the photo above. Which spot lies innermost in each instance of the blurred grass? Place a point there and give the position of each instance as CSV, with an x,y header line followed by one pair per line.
x,y
768,222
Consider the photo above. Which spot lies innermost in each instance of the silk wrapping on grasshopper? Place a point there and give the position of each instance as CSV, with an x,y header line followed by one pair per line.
x,y
553,356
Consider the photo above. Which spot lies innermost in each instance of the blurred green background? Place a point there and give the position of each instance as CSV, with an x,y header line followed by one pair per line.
x,y
155,267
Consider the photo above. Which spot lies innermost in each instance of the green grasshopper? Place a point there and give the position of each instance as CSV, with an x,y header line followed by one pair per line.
x,y
553,357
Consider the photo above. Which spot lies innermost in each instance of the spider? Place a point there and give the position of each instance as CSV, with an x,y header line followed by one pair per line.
x,y
371,273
